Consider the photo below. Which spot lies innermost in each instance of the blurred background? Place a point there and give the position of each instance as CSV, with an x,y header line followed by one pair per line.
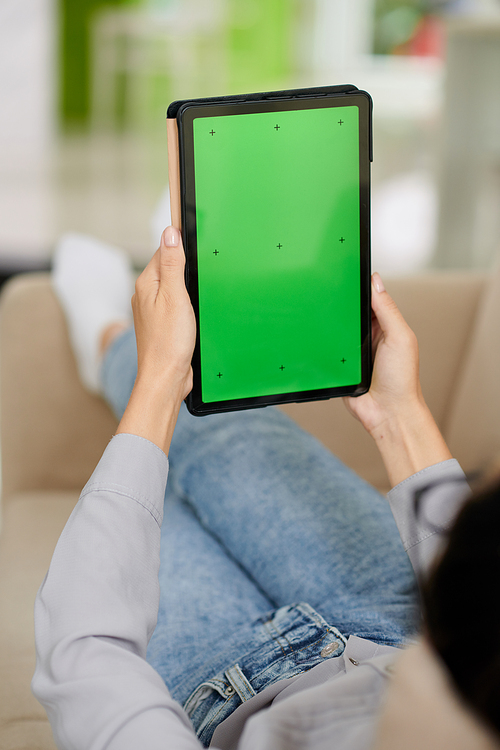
x,y
84,86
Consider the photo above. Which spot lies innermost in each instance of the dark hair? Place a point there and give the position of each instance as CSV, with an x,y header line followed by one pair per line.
x,y
461,601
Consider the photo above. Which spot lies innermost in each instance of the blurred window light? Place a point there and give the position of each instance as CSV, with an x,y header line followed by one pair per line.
x,y
406,85
476,8
26,76
404,223
469,221
27,129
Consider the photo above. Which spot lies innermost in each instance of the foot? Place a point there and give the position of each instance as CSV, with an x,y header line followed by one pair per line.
x,y
109,334
94,284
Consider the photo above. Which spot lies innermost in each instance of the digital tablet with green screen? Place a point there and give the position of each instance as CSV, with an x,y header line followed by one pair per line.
x,y
273,192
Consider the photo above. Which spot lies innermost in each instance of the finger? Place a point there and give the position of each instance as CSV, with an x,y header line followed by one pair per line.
x,y
376,335
387,312
172,260
151,274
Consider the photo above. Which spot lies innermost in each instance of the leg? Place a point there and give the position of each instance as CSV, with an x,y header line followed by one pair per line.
x,y
94,283
118,370
218,640
302,525
206,604
214,622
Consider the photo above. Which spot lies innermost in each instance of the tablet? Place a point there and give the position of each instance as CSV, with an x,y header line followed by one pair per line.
x,y
272,194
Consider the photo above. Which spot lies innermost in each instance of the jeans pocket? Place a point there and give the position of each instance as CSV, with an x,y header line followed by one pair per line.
x,y
208,705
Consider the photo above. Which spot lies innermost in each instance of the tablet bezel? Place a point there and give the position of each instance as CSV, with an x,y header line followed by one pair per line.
x,y
185,114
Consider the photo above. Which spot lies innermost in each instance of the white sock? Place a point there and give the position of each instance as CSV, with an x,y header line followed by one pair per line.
x,y
94,284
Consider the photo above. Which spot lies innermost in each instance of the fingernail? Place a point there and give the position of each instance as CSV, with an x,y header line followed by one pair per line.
x,y
171,237
378,283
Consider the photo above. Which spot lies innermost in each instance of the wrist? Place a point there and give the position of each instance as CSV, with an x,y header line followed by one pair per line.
x,y
170,384
396,418
410,441
152,410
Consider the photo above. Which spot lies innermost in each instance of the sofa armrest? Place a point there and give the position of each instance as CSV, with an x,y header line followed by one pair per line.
x,y
53,431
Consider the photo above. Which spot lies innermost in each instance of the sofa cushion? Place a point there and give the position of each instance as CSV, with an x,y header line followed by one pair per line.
x,y
32,524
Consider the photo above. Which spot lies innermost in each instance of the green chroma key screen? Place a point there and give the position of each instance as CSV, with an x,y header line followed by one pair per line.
x,y
277,206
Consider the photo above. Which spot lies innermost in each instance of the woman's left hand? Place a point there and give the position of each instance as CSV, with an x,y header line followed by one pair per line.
x,y
165,329
164,320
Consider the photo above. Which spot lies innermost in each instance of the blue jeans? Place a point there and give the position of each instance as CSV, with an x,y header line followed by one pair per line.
x,y
271,550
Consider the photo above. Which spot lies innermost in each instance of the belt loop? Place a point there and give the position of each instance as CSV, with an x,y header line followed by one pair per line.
x,y
240,683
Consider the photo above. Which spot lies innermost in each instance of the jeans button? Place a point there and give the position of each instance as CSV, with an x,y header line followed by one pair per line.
x,y
229,691
329,649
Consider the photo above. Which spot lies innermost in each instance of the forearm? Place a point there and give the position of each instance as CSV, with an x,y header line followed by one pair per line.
x,y
98,605
410,442
152,410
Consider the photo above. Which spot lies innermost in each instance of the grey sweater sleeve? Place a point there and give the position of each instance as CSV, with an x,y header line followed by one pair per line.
x,y
444,490
97,609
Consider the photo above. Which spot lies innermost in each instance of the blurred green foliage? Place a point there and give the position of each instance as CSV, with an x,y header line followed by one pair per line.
x,y
259,44
75,24
257,37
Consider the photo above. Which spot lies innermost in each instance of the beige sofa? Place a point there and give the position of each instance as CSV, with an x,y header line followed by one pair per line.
x,y
53,433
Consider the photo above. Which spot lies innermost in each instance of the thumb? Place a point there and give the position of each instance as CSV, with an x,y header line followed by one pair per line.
x,y
172,259
387,312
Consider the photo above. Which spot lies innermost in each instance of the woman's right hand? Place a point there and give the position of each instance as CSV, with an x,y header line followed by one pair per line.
x,y
393,411
395,387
